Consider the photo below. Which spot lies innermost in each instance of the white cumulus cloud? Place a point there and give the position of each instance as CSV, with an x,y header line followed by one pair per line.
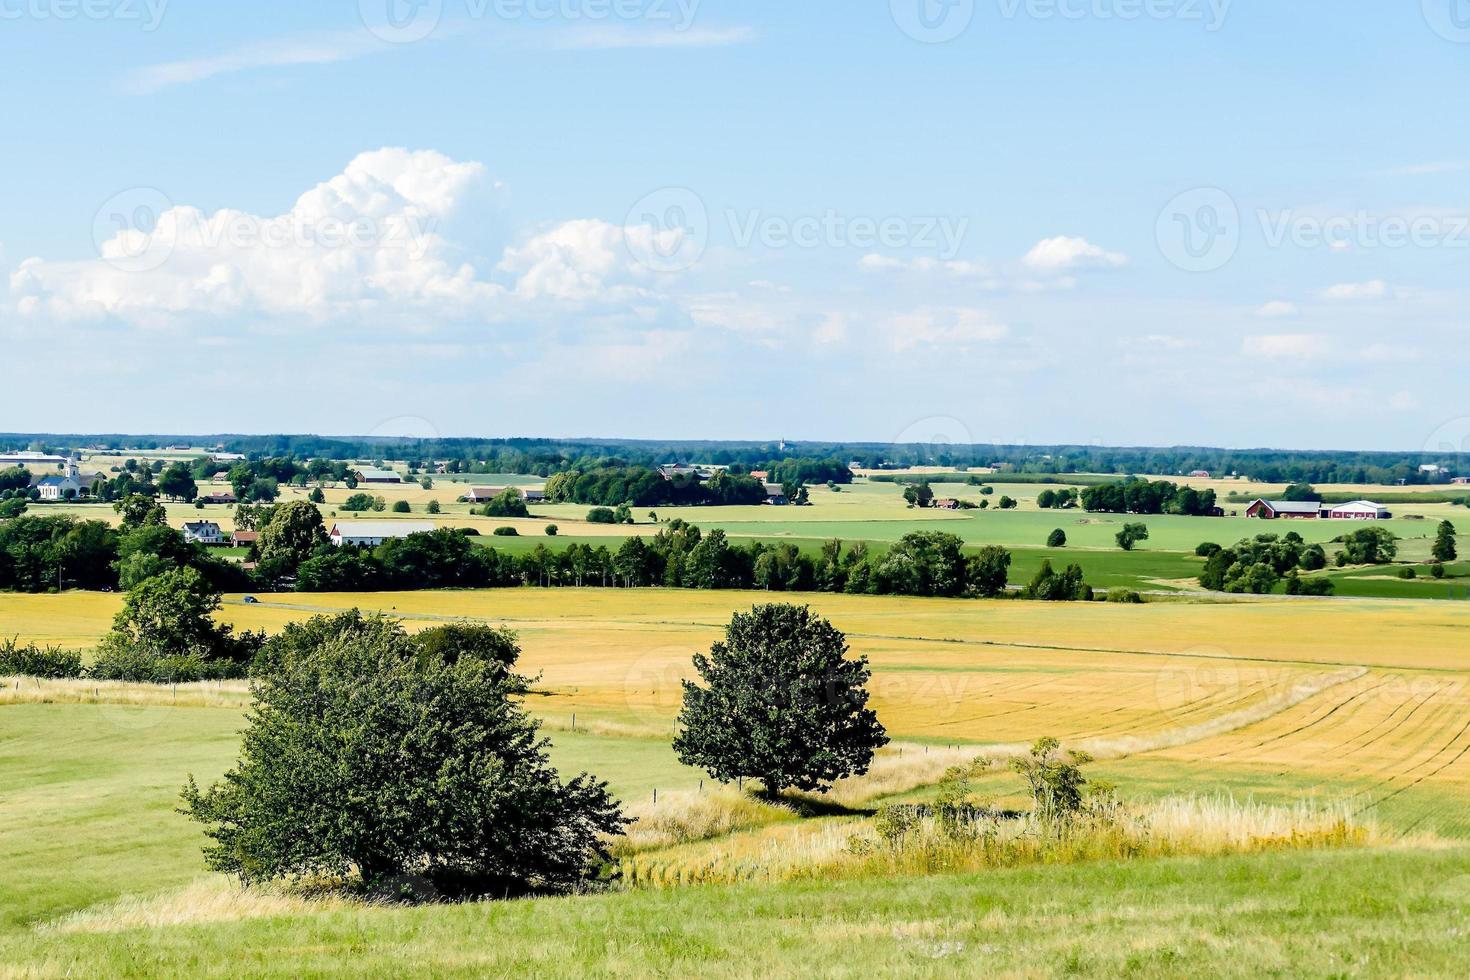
x,y
1062,254
1277,309
1286,345
1351,291
365,242
953,327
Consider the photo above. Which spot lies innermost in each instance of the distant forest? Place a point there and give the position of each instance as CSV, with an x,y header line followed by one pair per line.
x,y
545,457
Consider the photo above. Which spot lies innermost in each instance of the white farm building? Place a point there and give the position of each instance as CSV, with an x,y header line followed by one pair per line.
x,y
370,534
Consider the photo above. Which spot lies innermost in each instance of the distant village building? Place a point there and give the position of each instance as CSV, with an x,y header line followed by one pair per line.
x,y
71,483
244,539
8,460
370,534
227,457
674,471
203,532
1200,475
533,496
222,497
948,503
1461,481
776,496
372,475
483,495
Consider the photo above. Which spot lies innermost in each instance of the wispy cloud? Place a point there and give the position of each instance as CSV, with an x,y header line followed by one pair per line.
x,y
1429,169
1277,309
342,46
610,37
280,52
1347,292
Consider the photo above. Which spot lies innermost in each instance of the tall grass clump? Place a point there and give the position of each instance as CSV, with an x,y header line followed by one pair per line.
x,y
924,840
687,818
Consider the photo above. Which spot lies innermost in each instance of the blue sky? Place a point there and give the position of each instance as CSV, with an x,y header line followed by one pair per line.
x,y
1231,222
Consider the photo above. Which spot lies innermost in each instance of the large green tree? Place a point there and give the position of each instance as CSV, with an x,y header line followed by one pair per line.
x,y
1444,543
294,533
780,701
370,752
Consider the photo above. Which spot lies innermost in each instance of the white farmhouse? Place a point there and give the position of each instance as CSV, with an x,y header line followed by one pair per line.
x,y
203,532
370,534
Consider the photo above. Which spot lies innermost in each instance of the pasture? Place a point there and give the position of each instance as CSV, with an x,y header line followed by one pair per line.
x,y
1359,704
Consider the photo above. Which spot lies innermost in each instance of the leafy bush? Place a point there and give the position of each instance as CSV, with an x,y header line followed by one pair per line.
x,y
121,661
359,502
369,753
506,532
601,515
1127,596
1057,539
33,661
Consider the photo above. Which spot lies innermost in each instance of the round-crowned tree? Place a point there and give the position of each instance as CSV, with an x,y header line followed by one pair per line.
x,y
369,751
781,702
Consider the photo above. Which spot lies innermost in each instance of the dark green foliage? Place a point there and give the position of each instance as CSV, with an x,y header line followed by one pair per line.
x,y
989,571
601,515
1296,585
1368,546
1048,586
1125,596
506,532
1444,548
1055,782
35,661
41,553
293,534
1437,570
402,507
369,753
1131,535
1148,497
165,631
508,503
923,563
1057,539
1302,493
1207,549
781,703
919,495
358,502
